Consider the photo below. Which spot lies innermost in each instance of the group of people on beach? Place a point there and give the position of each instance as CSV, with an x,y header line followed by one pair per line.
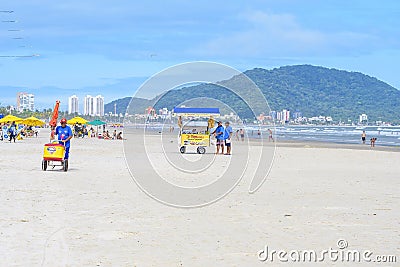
x,y
224,138
14,132
115,136
82,131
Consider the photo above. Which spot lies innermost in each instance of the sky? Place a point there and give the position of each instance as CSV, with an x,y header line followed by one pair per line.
x,y
112,47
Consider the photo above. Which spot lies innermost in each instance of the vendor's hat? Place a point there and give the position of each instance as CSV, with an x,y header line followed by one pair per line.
x,y
63,120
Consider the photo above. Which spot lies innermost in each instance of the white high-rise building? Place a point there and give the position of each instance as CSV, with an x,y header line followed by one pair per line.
x,y
285,115
94,106
99,106
363,118
88,108
25,101
73,104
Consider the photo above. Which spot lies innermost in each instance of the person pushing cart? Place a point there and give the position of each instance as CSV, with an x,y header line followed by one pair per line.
x,y
64,135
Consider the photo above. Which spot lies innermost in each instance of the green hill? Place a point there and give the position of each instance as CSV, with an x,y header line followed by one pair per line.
x,y
309,89
138,106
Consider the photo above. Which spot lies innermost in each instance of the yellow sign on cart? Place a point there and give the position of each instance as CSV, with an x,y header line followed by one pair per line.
x,y
195,140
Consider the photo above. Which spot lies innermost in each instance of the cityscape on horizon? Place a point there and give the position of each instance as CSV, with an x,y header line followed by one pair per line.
x,y
92,105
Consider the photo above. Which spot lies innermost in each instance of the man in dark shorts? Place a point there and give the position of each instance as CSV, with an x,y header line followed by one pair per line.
x,y
12,131
242,134
219,134
228,137
363,137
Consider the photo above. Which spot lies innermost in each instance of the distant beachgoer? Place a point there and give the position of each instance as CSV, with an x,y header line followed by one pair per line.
x,y
242,134
228,137
106,135
363,137
52,133
119,136
219,134
270,137
115,134
12,131
373,140
180,121
237,135
259,133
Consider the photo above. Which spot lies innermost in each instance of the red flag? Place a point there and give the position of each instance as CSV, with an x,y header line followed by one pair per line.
x,y
53,121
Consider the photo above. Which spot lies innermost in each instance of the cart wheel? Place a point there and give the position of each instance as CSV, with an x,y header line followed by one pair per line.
x,y
201,150
182,149
65,165
44,165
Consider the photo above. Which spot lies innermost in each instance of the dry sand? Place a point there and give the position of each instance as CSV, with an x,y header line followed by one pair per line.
x,y
95,214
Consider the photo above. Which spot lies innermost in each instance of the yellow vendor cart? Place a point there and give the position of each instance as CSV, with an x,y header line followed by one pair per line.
x,y
195,125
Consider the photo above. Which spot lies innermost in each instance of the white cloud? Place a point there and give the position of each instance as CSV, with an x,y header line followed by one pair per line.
x,y
281,35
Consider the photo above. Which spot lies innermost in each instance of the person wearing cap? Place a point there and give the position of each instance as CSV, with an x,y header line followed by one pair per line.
x,y
64,135
228,137
219,134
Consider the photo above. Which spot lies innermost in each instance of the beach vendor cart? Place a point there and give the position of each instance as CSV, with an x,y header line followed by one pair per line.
x,y
194,127
54,152
53,155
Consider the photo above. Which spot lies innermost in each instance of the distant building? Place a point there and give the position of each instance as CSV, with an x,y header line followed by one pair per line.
x,y
94,106
297,115
273,114
363,118
25,101
99,106
88,106
73,104
285,116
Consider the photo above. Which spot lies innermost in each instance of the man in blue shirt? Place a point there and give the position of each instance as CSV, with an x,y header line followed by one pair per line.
x,y
219,134
228,137
13,131
64,135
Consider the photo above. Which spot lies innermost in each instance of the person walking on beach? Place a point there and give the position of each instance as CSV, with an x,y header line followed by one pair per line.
x,y
12,131
64,135
363,137
242,134
228,137
373,140
270,137
219,134
237,135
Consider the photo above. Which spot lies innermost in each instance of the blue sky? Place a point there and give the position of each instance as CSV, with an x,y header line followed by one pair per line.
x,y
111,47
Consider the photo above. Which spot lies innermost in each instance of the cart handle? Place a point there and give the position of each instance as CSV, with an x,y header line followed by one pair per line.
x,y
56,141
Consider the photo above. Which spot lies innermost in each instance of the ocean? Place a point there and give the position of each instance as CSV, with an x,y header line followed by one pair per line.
x,y
386,135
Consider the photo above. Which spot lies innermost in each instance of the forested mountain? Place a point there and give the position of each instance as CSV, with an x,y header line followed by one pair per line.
x,y
309,89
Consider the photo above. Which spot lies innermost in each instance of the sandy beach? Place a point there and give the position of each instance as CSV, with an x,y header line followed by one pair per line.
x,y
96,215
